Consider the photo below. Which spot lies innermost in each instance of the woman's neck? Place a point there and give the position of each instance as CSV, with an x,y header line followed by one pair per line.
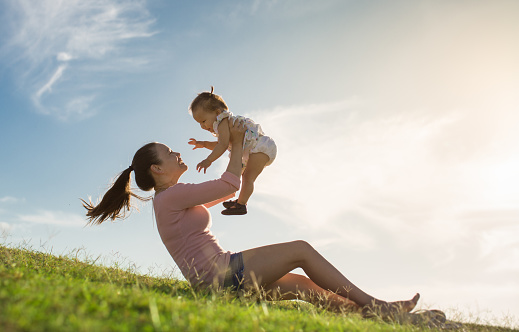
x,y
163,186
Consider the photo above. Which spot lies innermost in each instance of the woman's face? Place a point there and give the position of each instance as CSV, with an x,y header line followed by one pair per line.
x,y
171,161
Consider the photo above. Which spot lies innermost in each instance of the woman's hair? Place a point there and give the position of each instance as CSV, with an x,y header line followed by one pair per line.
x,y
209,102
116,201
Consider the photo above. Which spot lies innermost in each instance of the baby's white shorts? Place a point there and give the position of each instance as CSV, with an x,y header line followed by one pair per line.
x,y
266,145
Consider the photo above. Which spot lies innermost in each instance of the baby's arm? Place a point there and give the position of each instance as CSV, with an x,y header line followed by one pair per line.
x,y
219,148
202,144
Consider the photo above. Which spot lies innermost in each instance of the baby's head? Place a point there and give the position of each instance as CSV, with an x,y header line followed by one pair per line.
x,y
206,107
209,102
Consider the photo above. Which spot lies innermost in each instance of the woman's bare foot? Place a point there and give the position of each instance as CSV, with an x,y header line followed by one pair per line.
x,y
405,306
388,309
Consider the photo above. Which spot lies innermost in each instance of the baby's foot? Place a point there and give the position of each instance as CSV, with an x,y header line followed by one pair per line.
x,y
236,209
228,204
388,309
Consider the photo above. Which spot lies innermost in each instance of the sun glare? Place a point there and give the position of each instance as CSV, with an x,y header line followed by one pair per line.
x,y
502,183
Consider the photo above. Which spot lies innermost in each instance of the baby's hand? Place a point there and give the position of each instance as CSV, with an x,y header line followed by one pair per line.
x,y
197,144
203,164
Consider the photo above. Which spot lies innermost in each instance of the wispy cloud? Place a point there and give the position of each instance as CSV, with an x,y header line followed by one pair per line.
x,y
9,199
53,42
403,176
48,86
57,218
438,192
4,227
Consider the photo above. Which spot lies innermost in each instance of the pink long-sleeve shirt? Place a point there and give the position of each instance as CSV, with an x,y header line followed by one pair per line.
x,y
184,223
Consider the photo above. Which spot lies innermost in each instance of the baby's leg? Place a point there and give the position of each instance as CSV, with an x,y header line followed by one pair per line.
x,y
255,165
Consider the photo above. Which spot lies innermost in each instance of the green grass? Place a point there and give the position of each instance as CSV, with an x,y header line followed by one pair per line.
x,y
43,292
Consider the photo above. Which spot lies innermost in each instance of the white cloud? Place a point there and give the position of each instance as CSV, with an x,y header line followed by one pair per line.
x,y
56,218
406,175
47,87
436,193
333,156
500,245
63,56
4,227
81,34
8,199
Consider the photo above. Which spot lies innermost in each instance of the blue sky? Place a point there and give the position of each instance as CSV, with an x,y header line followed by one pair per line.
x,y
396,124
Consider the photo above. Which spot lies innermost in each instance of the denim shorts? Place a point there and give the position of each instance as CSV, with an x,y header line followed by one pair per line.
x,y
234,274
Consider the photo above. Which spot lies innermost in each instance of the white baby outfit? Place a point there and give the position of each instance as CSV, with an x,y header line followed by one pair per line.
x,y
255,140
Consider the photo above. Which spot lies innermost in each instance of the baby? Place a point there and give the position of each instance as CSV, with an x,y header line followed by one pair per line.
x,y
259,150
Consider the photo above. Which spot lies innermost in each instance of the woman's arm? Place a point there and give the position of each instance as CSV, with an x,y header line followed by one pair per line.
x,y
237,133
186,195
219,200
189,194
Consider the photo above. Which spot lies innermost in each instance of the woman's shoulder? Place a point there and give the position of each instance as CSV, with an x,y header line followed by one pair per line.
x,y
171,191
171,196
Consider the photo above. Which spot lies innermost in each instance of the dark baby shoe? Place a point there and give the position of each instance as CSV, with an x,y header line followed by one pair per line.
x,y
235,209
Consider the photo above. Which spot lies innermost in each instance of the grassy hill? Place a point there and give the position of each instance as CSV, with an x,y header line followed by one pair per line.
x,y
43,292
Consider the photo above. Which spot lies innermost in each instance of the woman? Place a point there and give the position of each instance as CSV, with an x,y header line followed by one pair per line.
x,y
183,222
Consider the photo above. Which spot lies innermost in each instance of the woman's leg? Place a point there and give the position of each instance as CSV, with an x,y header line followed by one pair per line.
x,y
294,286
266,265
255,166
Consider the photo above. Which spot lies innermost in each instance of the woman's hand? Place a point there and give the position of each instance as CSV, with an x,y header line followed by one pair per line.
x,y
237,130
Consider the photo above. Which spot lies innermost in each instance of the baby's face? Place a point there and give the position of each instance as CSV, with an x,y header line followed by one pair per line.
x,y
205,119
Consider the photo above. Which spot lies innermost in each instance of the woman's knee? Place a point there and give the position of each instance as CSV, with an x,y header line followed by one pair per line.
x,y
302,246
303,283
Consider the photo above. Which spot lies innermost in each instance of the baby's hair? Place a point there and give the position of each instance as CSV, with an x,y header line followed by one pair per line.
x,y
209,102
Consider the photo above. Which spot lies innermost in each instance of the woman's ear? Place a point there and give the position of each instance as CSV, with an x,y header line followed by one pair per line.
x,y
156,169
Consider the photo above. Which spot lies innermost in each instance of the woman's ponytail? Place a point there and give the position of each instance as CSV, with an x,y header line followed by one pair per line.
x,y
116,202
